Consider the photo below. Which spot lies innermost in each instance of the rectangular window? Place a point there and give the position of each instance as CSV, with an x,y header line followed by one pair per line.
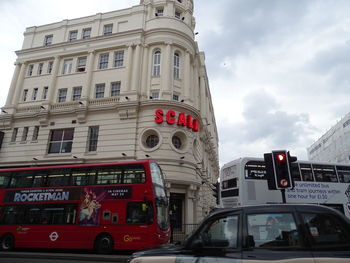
x,y
73,35
45,91
115,89
93,138
25,94
156,64
176,66
35,133
273,230
76,93
100,90
177,14
49,67
103,63
81,65
35,94
40,68
30,70
154,95
176,97
159,11
326,231
61,141
67,66
14,134
139,213
25,134
118,58
62,95
86,33
107,29
48,40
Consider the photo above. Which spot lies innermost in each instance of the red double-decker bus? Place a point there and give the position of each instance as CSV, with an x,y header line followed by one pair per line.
x,y
101,206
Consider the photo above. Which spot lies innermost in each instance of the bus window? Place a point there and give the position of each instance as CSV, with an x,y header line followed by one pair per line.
x,y
324,173
344,174
80,177
21,180
39,180
306,172
232,183
4,180
58,178
109,176
139,213
255,170
134,175
295,172
156,174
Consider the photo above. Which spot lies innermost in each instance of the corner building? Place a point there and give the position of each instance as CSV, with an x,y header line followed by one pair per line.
x,y
129,84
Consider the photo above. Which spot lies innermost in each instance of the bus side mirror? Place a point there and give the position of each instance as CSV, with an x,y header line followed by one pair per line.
x,y
250,241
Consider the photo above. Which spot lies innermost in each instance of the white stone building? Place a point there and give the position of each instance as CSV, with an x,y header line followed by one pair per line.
x,y
129,84
334,145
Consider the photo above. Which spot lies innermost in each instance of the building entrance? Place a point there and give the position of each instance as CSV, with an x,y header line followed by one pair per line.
x,y
176,210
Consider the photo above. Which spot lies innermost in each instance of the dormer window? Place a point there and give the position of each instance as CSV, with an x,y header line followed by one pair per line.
x,y
160,11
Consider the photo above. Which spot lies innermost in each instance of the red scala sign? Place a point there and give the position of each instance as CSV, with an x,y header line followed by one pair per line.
x,y
181,119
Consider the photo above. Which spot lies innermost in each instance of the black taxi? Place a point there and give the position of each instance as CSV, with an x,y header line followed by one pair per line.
x,y
264,233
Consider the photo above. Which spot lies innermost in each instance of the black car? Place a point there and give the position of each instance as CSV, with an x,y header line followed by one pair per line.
x,y
264,233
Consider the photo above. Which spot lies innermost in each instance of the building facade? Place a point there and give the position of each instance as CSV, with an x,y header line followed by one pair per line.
x,y
334,145
129,84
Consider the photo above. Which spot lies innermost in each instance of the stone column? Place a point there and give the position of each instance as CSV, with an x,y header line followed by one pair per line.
x,y
126,87
144,73
54,73
187,77
135,74
89,69
203,99
13,83
19,83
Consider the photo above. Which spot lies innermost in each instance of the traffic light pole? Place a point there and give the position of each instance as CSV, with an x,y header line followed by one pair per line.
x,y
283,192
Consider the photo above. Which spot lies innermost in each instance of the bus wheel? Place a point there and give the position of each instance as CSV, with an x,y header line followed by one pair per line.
x,y
7,242
104,244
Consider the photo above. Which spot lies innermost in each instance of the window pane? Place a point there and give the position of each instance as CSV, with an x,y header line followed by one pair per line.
x,y
139,213
273,230
68,134
56,135
326,230
221,233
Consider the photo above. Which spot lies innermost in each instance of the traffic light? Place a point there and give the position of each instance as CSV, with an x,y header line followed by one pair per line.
x,y
278,169
216,192
281,167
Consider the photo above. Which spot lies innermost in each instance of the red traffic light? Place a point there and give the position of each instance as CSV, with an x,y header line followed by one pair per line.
x,y
281,157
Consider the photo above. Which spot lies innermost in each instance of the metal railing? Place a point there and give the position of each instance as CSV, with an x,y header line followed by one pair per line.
x,y
179,233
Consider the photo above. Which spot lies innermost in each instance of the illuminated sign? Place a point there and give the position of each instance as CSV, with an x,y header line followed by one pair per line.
x,y
180,119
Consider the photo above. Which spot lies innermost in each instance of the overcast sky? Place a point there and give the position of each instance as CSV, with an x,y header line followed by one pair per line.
x,y
279,70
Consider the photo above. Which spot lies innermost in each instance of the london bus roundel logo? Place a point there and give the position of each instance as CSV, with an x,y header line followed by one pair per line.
x,y
53,236
284,182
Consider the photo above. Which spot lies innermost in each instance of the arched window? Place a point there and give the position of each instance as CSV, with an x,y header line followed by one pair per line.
x,y
176,66
156,63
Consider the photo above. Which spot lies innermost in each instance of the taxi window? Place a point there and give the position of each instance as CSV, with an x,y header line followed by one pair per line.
x,y
326,230
273,230
220,233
